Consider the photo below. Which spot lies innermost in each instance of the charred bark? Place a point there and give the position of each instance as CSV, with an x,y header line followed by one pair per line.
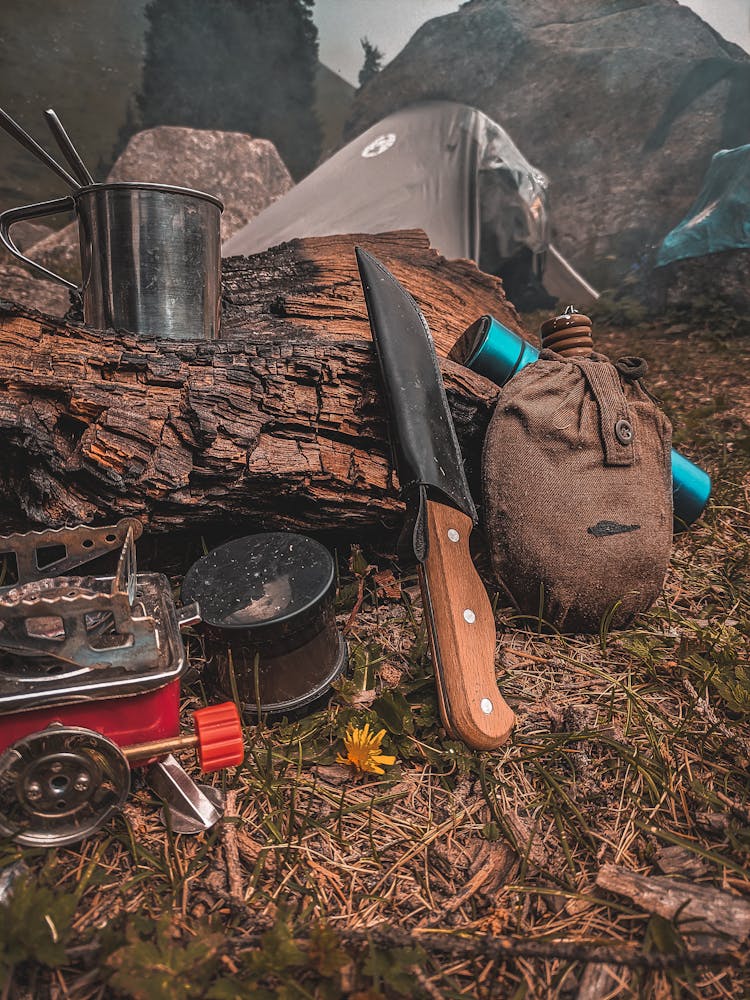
x,y
281,423
288,431
313,286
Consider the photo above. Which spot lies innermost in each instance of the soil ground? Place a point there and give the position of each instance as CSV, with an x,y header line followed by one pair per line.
x,y
457,874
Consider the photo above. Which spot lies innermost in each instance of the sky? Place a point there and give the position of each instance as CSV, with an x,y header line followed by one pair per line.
x,y
389,24
731,18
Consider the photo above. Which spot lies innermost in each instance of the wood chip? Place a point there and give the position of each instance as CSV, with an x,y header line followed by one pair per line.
x,y
231,848
676,860
490,872
388,585
528,841
698,909
601,981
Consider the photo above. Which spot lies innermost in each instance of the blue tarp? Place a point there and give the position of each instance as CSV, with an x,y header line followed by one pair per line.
x,y
720,217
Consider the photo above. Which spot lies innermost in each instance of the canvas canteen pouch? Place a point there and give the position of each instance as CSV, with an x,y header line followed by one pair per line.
x,y
578,491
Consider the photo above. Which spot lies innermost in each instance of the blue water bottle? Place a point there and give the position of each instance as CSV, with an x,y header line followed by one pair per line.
x,y
492,350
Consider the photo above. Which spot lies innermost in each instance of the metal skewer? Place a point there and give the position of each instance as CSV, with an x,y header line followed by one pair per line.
x,y
69,151
14,129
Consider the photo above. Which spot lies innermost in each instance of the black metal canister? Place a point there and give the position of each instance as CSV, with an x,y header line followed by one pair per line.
x,y
267,606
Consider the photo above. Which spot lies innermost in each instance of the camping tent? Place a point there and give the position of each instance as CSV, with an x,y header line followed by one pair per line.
x,y
438,166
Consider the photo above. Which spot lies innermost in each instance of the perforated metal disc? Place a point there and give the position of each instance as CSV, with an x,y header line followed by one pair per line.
x,y
59,785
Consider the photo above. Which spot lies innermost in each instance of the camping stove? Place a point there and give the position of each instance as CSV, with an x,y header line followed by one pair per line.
x,y
90,671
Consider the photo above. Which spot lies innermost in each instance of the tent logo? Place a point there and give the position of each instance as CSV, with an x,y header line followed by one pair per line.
x,y
379,145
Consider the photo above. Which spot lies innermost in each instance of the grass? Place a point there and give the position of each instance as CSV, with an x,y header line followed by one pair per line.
x,y
455,874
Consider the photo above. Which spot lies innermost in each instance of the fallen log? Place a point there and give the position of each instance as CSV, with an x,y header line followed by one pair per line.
x,y
288,431
698,910
312,286
281,423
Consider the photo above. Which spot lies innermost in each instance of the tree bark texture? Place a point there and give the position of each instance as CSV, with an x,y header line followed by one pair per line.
x,y
289,431
282,422
313,286
699,910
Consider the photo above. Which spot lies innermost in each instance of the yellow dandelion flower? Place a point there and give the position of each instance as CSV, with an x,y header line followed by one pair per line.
x,y
363,750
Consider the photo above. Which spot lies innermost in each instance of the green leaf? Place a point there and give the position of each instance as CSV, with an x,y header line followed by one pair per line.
x,y
326,955
662,937
346,597
393,966
278,952
223,989
232,989
35,924
492,831
149,969
357,563
395,711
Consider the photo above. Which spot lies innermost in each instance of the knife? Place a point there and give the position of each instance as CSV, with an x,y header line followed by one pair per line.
x,y
461,624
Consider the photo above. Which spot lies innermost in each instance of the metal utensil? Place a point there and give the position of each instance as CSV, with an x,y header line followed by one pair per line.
x,y
67,148
150,257
20,135
461,624
267,604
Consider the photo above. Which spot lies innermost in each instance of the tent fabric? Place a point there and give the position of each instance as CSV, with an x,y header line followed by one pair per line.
x,y
439,166
564,283
720,217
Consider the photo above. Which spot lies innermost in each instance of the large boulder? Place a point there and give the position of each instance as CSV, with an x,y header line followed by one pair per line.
x,y
246,173
25,235
620,102
18,285
715,286
16,282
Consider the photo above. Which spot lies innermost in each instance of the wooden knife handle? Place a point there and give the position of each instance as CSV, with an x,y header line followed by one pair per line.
x,y
462,634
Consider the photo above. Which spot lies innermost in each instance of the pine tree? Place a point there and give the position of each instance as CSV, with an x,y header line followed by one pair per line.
x,y
373,62
238,66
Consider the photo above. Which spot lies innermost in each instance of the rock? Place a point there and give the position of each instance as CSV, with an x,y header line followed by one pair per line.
x,y
25,235
584,89
246,173
19,286
704,286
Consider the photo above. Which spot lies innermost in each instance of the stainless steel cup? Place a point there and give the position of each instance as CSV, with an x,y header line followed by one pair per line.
x,y
150,257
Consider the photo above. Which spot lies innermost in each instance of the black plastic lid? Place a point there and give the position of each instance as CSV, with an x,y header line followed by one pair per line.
x,y
260,580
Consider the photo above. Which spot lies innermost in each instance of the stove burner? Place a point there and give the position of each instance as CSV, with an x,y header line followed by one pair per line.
x,y
90,671
60,785
71,638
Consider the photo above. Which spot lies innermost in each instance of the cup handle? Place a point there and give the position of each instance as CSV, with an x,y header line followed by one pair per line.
x,y
42,208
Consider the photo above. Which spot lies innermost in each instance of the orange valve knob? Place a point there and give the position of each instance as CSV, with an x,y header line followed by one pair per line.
x,y
219,732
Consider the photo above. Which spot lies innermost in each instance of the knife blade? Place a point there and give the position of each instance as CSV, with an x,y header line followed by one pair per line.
x,y
461,624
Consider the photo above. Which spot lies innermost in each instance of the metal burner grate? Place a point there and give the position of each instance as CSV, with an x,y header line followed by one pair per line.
x,y
63,638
